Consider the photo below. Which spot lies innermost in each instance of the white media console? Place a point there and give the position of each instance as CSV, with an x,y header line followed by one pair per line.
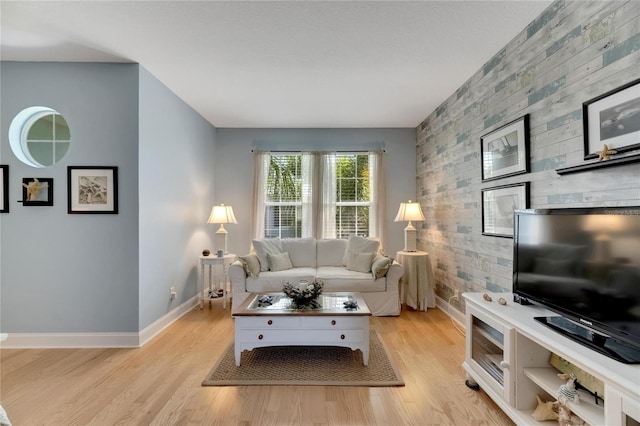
x,y
507,355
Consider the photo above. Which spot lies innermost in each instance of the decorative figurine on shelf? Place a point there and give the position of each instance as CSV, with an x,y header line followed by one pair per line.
x,y
206,252
545,410
567,391
486,297
605,154
220,253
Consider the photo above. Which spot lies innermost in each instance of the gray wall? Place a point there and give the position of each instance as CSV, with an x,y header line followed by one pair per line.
x,y
177,164
233,174
61,272
573,52
105,273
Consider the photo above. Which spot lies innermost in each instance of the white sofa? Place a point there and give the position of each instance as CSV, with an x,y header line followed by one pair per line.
x,y
342,265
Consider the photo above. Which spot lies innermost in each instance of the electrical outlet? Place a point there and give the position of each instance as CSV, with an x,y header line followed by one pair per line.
x,y
172,293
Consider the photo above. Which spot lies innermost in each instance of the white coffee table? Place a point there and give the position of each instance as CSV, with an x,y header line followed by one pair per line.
x,y
259,325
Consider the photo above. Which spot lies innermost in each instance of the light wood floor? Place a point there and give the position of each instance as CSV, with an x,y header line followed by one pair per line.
x,y
160,383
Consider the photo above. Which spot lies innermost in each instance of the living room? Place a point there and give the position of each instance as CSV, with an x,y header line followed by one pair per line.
x,y
103,280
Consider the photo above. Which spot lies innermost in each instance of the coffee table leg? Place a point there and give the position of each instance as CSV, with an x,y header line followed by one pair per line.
x,y
238,353
365,355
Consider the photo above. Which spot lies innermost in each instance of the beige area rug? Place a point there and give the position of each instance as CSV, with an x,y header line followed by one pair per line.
x,y
306,366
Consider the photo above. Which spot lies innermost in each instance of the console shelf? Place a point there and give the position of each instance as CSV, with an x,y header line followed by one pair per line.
x,y
506,338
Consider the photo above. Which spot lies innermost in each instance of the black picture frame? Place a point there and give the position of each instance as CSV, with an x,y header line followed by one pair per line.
x,y
498,204
505,150
92,190
612,119
42,194
4,188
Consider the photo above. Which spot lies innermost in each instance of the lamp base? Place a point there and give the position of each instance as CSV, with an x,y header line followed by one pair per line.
x,y
410,238
221,239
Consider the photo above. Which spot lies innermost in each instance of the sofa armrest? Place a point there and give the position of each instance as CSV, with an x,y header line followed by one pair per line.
x,y
395,272
238,277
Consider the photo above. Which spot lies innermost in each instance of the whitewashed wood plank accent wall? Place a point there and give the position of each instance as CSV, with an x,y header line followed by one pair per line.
x,y
573,52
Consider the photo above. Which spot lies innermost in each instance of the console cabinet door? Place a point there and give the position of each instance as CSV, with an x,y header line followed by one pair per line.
x,y
489,352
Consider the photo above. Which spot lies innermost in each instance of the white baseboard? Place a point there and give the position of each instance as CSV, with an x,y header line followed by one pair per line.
x,y
455,314
97,340
152,330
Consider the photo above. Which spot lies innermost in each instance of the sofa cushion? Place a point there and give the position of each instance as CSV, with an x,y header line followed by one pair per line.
x,y
341,279
380,265
251,264
302,251
264,246
330,251
360,262
357,244
274,281
279,261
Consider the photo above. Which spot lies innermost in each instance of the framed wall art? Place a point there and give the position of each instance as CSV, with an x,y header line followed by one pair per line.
x,y
498,204
612,119
92,189
4,188
37,192
505,151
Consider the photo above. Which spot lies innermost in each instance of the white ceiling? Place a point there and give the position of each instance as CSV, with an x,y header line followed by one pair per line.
x,y
280,64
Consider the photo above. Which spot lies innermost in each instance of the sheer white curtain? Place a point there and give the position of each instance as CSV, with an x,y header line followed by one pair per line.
x,y
378,209
260,173
308,173
326,223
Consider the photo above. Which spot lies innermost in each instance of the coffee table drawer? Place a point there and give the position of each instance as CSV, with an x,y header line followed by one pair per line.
x,y
299,337
334,322
268,322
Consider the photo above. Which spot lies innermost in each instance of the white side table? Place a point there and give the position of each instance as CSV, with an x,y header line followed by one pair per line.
x,y
217,277
417,286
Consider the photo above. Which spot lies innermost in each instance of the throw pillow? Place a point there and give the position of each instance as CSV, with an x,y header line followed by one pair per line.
x,y
361,262
357,244
381,265
251,265
279,261
264,246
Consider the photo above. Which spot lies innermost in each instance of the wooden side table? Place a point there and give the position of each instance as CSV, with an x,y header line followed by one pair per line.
x,y
417,286
217,278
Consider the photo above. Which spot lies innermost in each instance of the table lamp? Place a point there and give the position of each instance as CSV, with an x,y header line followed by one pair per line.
x,y
409,212
221,214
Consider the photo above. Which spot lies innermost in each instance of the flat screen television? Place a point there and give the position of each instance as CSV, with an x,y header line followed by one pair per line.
x,y
584,264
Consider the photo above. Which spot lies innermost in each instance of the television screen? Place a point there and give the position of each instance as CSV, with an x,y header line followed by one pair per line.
x,y
583,264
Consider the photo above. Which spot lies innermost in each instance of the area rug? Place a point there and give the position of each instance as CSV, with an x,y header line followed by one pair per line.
x,y
306,366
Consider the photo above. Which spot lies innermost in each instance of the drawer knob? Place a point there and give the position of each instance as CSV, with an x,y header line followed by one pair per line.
x,y
504,364
270,322
333,322
260,336
342,336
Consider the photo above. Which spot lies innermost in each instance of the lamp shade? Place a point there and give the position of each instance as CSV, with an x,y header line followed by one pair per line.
x,y
409,212
222,214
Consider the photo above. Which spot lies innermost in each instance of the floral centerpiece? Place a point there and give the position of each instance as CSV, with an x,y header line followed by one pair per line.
x,y
304,294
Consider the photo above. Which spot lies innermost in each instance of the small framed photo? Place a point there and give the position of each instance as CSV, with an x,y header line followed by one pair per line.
x,y
612,119
4,188
498,204
92,189
505,151
37,192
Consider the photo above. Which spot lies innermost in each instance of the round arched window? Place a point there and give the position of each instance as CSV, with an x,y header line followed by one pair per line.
x,y
39,136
